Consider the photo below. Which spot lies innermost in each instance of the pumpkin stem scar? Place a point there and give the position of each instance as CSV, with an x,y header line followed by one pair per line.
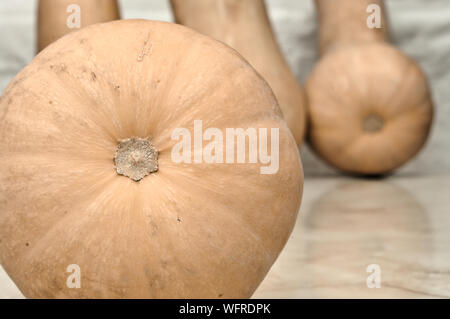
x,y
373,123
136,158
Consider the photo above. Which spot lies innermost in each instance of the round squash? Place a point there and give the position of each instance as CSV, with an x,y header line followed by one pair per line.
x,y
369,104
87,174
56,18
245,26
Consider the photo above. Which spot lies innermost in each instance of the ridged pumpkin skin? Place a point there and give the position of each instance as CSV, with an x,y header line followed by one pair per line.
x,y
53,15
186,231
245,26
370,106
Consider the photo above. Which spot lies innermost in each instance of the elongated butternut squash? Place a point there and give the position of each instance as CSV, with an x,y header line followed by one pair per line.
x,y
245,26
370,105
59,17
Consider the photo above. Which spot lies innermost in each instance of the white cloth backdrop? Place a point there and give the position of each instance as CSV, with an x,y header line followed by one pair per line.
x,y
420,27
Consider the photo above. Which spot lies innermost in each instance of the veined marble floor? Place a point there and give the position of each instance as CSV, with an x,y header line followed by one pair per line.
x,y
399,225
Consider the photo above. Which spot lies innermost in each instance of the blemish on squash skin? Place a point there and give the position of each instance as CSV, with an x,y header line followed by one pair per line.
x,y
59,68
156,83
93,76
146,49
220,296
27,244
153,228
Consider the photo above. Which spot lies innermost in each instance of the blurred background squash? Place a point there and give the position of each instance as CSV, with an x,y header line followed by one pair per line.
x,y
370,105
245,26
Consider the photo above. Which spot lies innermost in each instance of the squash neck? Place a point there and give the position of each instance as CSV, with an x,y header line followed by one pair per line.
x,y
350,22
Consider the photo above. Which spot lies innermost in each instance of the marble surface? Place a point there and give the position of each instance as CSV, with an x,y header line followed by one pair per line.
x,y
401,224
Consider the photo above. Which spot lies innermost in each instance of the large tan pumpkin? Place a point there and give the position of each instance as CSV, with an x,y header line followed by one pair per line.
x,y
56,18
369,104
193,230
245,26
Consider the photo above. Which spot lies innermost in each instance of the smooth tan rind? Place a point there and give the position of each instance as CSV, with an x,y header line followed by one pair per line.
x,y
56,18
188,230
